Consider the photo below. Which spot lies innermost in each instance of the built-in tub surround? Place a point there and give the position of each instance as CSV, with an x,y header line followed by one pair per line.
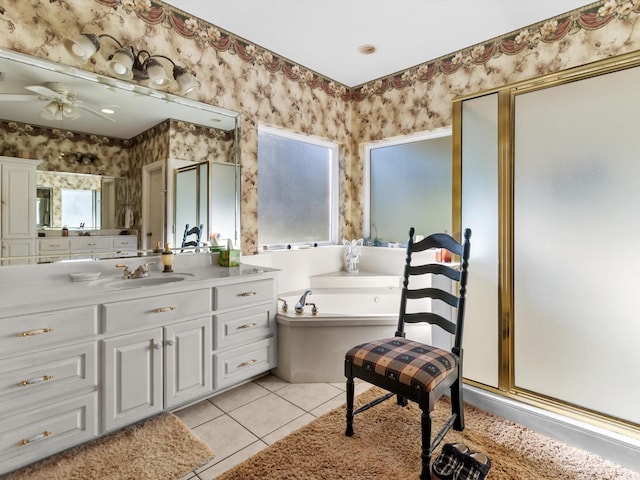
x,y
352,308
311,348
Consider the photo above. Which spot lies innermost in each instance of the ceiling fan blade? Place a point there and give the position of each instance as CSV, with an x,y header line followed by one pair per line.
x,y
44,91
17,97
91,110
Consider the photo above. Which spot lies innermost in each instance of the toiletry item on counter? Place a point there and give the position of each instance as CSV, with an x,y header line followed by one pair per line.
x,y
167,259
229,257
65,231
443,255
158,248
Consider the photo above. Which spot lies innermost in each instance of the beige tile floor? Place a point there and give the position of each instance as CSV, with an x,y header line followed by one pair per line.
x,y
240,422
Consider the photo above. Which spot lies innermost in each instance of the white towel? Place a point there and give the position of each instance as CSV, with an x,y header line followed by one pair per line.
x,y
128,217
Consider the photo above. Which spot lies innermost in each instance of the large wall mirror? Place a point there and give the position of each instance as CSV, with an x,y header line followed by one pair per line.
x,y
97,136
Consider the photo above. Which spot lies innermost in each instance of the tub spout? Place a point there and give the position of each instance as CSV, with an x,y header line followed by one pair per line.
x,y
303,299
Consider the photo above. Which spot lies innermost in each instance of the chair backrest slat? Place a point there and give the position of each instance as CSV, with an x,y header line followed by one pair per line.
x,y
457,275
437,269
433,293
431,318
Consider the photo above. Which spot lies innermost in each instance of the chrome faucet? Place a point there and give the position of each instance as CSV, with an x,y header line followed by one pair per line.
x,y
141,272
301,303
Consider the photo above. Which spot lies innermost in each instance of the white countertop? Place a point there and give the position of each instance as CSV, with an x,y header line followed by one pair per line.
x,y
33,288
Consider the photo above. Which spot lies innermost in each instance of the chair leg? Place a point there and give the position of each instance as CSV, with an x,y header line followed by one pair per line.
x,y
457,405
402,401
425,456
350,395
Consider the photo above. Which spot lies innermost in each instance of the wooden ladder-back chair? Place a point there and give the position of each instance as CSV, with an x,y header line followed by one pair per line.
x,y
413,370
189,232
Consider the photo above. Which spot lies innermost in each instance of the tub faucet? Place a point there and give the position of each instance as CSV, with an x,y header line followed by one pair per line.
x,y
303,299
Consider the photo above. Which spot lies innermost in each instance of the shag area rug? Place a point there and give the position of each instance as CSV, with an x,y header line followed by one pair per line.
x,y
386,445
159,448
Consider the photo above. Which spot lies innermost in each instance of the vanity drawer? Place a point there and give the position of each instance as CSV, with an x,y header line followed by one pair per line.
x,y
90,244
242,326
152,311
26,333
31,435
53,245
33,378
242,363
241,294
126,242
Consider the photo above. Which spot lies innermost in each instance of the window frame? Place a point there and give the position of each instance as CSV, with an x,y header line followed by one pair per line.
x,y
334,185
368,147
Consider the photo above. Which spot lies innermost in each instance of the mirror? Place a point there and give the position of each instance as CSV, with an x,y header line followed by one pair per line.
x,y
81,201
148,127
204,195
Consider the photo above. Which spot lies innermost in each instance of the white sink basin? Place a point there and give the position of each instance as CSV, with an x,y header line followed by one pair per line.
x,y
129,283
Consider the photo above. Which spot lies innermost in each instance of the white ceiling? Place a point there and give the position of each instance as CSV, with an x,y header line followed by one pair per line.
x,y
324,35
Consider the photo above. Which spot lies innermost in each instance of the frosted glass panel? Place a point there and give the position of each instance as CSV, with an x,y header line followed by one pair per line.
x,y
295,191
480,214
410,185
186,201
223,200
576,237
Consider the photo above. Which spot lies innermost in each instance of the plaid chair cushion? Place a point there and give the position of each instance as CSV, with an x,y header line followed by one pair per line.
x,y
405,361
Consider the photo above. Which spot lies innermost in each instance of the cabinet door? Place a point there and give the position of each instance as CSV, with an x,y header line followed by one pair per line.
x,y
25,247
187,361
18,201
132,377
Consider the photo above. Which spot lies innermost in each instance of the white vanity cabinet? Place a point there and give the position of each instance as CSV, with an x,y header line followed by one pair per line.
x,y
157,368
244,331
48,383
17,208
114,357
102,246
125,245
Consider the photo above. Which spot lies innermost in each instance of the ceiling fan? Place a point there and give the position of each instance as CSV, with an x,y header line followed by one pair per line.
x,y
61,101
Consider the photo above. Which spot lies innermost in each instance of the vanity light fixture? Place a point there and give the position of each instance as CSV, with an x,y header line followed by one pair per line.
x,y
126,64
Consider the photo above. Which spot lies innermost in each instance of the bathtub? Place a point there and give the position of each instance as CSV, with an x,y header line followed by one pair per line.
x,y
311,348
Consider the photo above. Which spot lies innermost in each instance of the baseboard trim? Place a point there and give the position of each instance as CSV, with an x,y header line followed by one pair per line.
x,y
617,448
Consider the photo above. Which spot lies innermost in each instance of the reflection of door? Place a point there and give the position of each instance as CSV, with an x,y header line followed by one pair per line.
x,y
191,199
108,203
152,205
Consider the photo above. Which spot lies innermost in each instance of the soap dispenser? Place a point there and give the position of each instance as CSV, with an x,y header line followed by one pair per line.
x,y
167,259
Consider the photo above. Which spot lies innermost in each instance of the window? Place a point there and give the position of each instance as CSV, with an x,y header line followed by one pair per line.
x,y
80,208
297,189
408,184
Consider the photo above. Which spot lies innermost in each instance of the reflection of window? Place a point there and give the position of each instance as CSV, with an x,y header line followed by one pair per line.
x,y
408,184
297,189
80,207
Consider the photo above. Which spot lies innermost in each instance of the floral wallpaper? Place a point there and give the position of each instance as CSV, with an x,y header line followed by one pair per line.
x,y
267,88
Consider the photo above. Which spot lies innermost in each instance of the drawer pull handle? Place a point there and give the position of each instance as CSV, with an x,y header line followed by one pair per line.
x,y
248,325
247,294
27,441
164,309
248,362
31,333
44,378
